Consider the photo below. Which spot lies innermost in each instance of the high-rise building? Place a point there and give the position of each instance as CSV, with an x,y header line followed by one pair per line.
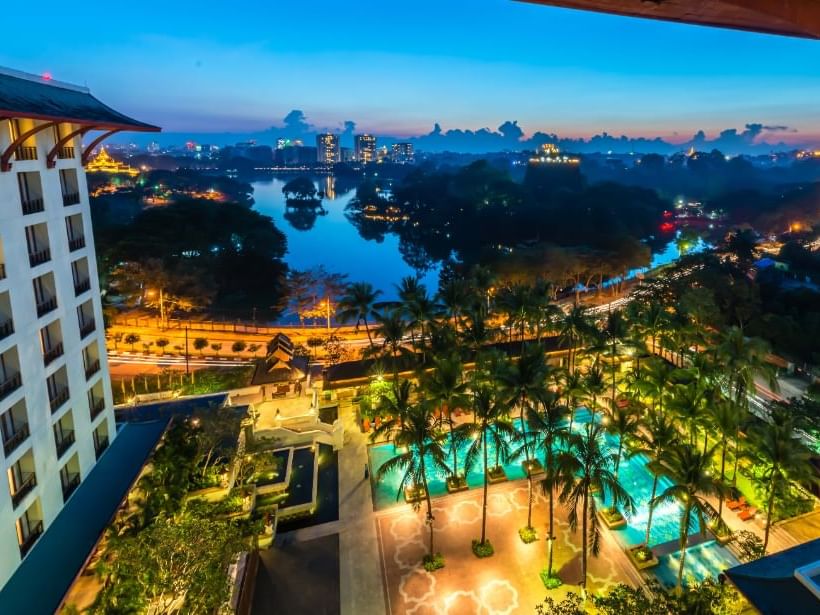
x,y
56,408
365,146
327,149
403,153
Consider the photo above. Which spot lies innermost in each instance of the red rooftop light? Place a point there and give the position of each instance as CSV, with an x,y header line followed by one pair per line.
x,y
46,76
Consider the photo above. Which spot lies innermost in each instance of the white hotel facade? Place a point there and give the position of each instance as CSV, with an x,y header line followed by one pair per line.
x,y
56,411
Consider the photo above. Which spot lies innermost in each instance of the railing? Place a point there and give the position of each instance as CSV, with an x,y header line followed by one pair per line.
x,y
71,198
100,445
65,152
24,488
95,407
33,206
44,307
76,244
69,486
64,443
87,328
6,328
25,152
82,286
92,369
39,257
15,439
10,385
58,399
2,271
34,532
53,353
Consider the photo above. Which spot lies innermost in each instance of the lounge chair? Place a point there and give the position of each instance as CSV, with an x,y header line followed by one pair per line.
x,y
736,504
747,514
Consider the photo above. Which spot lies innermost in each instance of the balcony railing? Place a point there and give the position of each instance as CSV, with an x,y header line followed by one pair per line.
x,y
81,287
65,152
33,534
39,257
87,328
11,384
46,306
33,206
77,243
71,198
15,439
100,444
70,485
52,353
27,485
2,271
64,442
92,369
58,399
6,328
25,152
96,406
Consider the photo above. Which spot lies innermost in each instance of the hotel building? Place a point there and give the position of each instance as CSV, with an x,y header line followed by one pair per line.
x,y
56,410
365,146
327,149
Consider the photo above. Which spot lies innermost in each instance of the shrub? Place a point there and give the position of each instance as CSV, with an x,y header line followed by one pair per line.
x,y
434,562
550,581
238,346
482,549
527,534
750,546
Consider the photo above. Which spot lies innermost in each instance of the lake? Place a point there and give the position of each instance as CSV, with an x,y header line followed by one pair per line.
x,y
336,244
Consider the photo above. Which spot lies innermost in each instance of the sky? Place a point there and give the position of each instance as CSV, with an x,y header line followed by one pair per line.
x,y
399,67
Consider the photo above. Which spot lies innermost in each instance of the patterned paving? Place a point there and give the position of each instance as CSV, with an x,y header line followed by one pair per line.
x,y
505,584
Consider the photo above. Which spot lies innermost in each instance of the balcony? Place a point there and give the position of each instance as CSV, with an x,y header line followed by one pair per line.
x,y
6,328
11,384
33,534
58,399
71,198
15,439
39,257
100,445
70,485
65,153
2,271
92,369
53,353
87,328
78,243
81,287
64,443
25,152
95,407
27,485
33,206
46,306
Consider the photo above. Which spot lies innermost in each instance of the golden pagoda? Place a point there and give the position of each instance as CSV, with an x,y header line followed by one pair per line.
x,y
104,163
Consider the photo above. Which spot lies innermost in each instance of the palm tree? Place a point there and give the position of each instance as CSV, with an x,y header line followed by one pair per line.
x,y
655,381
622,422
446,388
392,330
652,319
516,301
396,407
524,381
689,471
589,466
594,386
726,418
491,426
454,295
358,302
421,310
477,331
614,331
658,435
573,390
547,424
420,440
690,404
779,450
573,329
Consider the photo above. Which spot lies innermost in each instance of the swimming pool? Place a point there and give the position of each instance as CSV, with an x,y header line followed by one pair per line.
x,y
705,560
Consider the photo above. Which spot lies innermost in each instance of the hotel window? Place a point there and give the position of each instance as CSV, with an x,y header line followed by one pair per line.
x,y
75,232
57,386
31,192
27,150
29,527
64,433
69,187
100,437
51,342
14,425
85,318
45,294
70,477
21,477
10,379
39,251
80,275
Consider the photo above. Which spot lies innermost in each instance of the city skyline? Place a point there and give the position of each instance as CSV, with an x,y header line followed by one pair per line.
x,y
551,70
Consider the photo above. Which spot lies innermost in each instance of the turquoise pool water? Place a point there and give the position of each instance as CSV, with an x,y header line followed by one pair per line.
x,y
705,560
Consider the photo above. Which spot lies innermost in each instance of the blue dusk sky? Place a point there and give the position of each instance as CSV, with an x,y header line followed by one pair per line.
x,y
398,67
